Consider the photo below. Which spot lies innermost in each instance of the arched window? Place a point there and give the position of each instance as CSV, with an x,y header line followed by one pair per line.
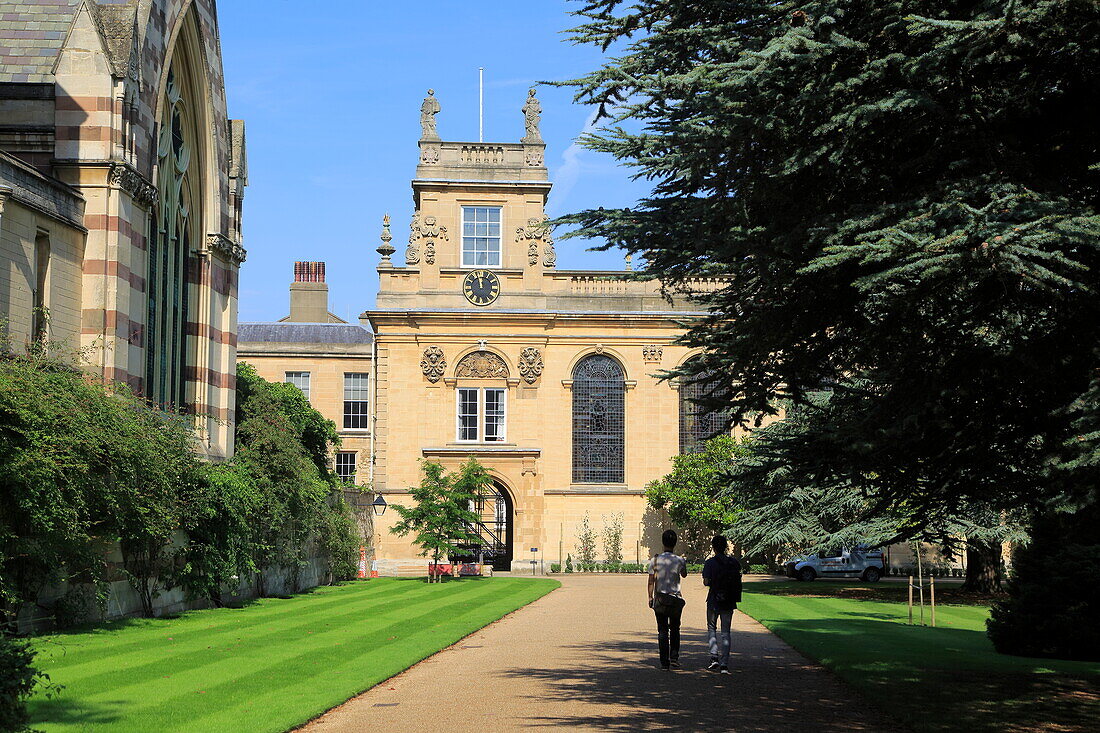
x,y
175,230
698,423
599,396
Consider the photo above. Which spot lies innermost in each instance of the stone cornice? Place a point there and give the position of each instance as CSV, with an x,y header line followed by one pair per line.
x,y
226,247
127,178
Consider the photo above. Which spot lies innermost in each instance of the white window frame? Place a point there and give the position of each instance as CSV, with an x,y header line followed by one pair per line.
x,y
502,435
305,391
354,464
499,238
343,405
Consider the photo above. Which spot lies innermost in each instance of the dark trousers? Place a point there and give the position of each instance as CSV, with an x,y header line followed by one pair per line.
x,y
668,636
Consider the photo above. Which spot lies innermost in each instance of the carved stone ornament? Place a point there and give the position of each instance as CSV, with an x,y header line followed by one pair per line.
x,y
652,352
385,249
534,158
599,348
433,364
226,247
482,365
549,257
429,153
535,233
428,229
126,177
530,364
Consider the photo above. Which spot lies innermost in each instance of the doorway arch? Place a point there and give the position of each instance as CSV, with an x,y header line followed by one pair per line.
x,y
496,514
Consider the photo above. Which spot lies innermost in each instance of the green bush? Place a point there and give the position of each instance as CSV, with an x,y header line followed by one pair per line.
x,y
555,567
18,679
568,563
695,567
1053,597
759,569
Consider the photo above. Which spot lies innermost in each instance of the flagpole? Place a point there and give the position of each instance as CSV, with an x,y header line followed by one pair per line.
x,y
481,104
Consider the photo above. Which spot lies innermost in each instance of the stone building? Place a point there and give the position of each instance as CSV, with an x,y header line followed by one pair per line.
x,y
484,348
121,182
328,358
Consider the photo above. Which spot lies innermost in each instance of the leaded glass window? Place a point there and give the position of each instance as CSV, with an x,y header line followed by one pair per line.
x,y
698,422
172,236
481,236
599,397
356,401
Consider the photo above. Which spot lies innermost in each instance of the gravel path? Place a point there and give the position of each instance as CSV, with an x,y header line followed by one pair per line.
x,y
585,658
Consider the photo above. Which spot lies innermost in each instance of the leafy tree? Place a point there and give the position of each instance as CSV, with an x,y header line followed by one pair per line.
x,y
787,510
695,496
1053,598
84,464
613,538
904,195
586,543
276,428
18,681
441,519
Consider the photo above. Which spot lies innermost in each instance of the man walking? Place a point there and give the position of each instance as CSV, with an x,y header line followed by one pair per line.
x,y
665,571
722,575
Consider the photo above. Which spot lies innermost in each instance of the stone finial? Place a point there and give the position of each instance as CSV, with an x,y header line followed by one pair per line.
x,y
385,249
629,262
532,113
428,110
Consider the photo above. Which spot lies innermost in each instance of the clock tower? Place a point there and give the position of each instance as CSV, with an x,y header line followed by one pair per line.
x,y
479,237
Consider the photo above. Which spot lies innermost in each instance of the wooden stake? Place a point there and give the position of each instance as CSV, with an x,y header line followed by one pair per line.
x,y
932,589
910,600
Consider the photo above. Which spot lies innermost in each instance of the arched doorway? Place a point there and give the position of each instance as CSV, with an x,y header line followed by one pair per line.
x,y
495,512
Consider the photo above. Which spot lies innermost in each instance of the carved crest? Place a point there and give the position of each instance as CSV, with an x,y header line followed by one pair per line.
x,y
433,364
534,158
530,364
652,352
482,365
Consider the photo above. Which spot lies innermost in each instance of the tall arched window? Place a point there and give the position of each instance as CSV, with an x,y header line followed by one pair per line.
x,y
174,232
599,396
698,423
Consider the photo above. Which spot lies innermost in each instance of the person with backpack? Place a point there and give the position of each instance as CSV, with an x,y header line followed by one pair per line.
x,y
722,576
665,571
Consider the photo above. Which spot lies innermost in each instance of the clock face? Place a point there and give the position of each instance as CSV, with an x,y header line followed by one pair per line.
x,y
481,287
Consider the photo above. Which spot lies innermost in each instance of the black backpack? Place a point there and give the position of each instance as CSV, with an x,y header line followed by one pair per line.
x,y
726,585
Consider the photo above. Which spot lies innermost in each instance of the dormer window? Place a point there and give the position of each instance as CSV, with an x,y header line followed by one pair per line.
x,y
481,236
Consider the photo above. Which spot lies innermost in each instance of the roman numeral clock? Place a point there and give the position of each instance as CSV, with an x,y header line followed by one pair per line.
x,y
481,287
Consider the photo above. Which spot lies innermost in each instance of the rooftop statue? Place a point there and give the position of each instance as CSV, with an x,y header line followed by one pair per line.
x,y
532,113
428,110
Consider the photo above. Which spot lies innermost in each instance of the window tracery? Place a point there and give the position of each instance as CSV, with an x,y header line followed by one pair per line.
x,y
599,398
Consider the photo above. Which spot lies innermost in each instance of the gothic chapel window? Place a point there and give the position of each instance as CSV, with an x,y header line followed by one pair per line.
x,y
599,397
174,232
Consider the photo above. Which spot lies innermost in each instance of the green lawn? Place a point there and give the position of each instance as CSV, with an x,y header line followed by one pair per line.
x,y
947,678
268,666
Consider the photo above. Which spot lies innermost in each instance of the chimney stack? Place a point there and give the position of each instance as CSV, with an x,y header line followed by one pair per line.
x,y
309,294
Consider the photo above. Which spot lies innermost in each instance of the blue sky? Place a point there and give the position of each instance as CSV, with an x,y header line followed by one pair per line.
x,y
330,93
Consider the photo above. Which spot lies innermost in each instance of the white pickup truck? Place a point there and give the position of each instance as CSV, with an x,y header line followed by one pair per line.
x,y
858,562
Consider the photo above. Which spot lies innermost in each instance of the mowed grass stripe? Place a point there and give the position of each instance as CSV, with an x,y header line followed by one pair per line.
x,y
268,680
140,661
414,640
194,671
951,670
199,627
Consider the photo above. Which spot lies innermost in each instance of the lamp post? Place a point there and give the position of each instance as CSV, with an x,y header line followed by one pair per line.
x,y
379,504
